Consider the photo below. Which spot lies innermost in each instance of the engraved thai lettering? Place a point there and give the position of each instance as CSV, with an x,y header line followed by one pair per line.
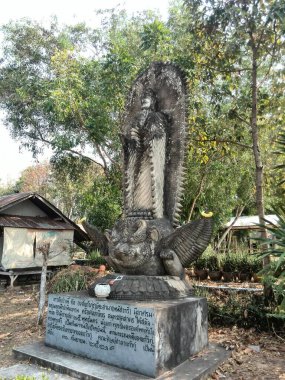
x,y
78,340
142,313
148,348
121,318
101,326
98,345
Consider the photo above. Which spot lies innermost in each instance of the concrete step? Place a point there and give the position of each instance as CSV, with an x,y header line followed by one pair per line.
x,y
196,368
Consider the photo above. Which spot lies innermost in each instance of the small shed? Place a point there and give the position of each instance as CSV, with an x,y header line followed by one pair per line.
x,y
26,221
244,230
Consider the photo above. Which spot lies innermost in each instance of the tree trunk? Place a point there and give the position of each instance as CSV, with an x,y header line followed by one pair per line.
x,y
44,249
224,235
256,149
199,191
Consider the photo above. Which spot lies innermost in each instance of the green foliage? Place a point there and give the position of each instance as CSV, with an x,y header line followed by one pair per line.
x,y
66,87
154,36
228,262
243,262
72,179
218,40
231,262
213,263
237,309
274,272
201,262
256,264
102,205
9,188
96,258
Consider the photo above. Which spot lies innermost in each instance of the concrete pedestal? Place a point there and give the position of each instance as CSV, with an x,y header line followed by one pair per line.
x,y
144,337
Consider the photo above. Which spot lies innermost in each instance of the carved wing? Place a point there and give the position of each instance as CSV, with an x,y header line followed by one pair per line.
x,y
98,238
190,240
169,85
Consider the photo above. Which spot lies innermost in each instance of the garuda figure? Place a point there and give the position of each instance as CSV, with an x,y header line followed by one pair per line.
x,y
145,247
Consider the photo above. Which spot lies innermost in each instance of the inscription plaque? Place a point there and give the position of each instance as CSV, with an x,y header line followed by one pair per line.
x,y
114,333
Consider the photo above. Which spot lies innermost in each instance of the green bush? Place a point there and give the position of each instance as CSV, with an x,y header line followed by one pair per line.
x,y
243,263
213,263
256,263
274,273
96,259
240,309
228,262
201,262
71,279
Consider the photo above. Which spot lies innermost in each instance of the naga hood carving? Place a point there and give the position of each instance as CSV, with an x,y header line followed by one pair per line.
x,y
154,137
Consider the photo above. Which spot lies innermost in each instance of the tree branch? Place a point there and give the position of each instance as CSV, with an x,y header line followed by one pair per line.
x,y
42,139
226,232
101,156
225,141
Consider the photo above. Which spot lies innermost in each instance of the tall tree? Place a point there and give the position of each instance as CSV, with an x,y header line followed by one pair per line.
x,y
235,48
51,93
36,179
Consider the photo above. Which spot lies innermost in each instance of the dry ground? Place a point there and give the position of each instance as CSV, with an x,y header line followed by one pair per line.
x,y
253,355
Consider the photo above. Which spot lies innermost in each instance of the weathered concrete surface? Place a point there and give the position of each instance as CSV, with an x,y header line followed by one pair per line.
x,y
144,337
197,368
10,373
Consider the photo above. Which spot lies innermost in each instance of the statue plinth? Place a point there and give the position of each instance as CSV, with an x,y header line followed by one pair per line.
x,y
141,288
144,337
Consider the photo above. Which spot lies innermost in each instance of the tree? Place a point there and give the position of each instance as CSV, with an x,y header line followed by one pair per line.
x,y
69,91
72,180
234,51
36,179
7,188
44,249
51,93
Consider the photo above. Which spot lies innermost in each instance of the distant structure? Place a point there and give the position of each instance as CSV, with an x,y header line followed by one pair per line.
x,y
28,219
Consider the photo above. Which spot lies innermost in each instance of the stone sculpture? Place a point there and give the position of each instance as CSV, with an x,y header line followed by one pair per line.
x,y
146,250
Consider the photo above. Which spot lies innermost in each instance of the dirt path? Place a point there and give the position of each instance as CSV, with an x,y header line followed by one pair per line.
x,y
254,355
18,322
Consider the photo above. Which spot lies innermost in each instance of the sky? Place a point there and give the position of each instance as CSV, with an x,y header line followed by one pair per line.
x,y
13,159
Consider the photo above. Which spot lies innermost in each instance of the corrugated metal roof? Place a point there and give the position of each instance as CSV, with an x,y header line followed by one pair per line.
x,y
6,200
251,221
35,222
53,212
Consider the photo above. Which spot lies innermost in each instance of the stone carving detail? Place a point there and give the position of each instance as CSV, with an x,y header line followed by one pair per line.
x,y
154,137
145,241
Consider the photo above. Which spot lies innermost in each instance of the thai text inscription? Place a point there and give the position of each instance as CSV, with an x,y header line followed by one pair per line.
x,y
98,328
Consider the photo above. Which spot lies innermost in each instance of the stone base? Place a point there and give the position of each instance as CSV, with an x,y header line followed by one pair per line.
x,y
143,288
144,337
65,364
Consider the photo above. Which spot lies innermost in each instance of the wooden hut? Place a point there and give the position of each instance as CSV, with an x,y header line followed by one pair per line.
x,y
27,220
243,232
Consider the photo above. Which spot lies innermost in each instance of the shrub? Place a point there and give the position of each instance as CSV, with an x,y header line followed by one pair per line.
x,y
96,259
201,262
243,263
274,272
213,263
240,309
228,262
72,279
256,263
